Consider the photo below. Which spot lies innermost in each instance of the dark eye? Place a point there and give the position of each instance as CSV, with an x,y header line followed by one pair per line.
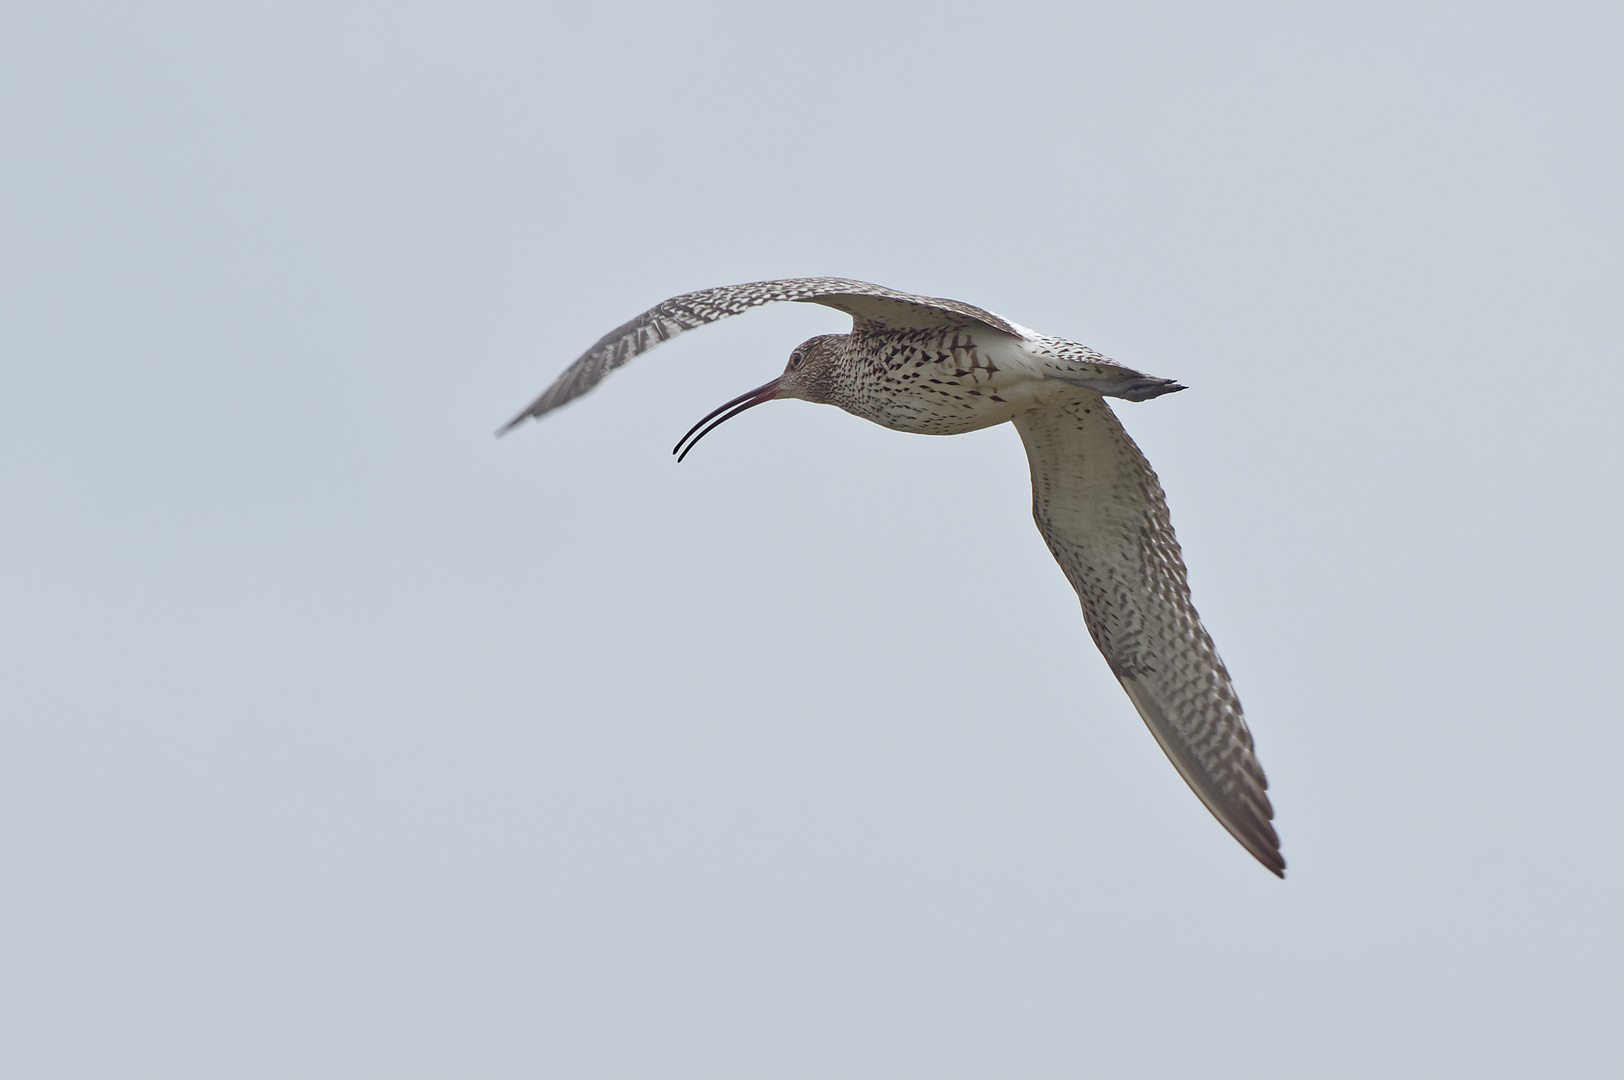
x,y
795,359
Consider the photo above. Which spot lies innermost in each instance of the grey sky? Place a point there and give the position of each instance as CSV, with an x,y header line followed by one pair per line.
x,y
341,739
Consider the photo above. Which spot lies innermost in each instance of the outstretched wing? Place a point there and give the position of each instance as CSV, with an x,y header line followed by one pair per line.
x,y
1101,510
868,305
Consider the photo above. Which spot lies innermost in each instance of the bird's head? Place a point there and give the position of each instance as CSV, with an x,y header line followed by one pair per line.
x,y
809,375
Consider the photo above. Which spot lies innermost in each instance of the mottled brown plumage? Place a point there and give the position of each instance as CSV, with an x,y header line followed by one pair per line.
x,y
940,367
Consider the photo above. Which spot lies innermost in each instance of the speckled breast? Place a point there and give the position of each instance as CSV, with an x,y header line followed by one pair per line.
x,y
931,382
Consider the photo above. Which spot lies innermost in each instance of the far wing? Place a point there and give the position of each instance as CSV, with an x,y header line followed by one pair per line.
x,y
869,306
1101,510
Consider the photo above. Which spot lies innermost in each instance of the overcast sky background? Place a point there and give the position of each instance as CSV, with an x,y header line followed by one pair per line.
x,y
341,739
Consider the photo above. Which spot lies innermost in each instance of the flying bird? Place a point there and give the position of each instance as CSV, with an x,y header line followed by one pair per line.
x,y
941,367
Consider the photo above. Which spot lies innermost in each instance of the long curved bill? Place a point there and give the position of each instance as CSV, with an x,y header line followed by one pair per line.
x,y
759,396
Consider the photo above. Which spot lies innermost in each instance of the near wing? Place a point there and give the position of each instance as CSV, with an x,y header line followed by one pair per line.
x,y
868,305
1101,509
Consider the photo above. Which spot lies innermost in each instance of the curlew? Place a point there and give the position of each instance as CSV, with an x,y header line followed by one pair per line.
x,y
940,367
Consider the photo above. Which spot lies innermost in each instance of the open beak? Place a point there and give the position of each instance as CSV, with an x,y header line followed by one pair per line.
x,y
758,396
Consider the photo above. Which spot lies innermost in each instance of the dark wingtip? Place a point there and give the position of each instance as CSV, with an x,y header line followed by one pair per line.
x,y
555,395
1262,841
